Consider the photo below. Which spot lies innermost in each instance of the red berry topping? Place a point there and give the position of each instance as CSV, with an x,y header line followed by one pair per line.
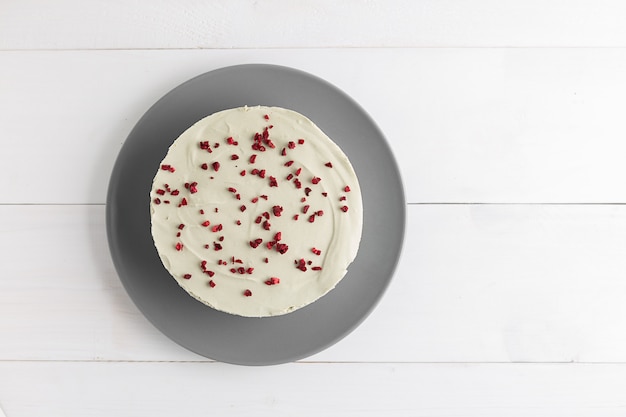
x,y
277,210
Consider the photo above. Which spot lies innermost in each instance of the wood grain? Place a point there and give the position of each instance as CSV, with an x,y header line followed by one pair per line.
x,y
73,24
197,389
466,125
475,284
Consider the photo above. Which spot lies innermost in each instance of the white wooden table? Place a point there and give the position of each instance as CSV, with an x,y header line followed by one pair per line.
x,y
508,120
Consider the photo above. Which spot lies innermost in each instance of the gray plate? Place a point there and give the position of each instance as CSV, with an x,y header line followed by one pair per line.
x,y
225,337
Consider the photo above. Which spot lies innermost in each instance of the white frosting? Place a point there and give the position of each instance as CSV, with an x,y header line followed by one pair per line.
x,y
336,233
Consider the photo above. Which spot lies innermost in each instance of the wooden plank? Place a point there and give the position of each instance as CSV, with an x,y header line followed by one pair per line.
x,y
475,283
72,24
195,389
466,125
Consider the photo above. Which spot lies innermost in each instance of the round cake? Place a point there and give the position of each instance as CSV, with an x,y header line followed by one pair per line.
x,y
256,212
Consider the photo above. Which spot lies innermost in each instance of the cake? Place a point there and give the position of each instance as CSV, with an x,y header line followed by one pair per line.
x,y
256,212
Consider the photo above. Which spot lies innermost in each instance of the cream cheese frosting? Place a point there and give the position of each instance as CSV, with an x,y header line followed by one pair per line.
x,y
256,212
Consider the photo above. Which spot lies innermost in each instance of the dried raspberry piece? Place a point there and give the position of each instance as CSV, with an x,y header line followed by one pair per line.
x,y
344,208
247,293
187,276
242,208
206,223
217,246
181,226
301,141
278,236
273,182
216,166
216,228
301,265
252,158
316,251
204,166
160,192
179,246
277,210
329,164
315,180
211,284
288,163
317,268
282,248
243,173
234,157
346,189
272,281
266,117
291,144
256,242
157,201
298,171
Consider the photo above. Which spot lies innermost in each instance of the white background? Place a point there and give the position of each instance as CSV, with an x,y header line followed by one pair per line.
x,y
508,121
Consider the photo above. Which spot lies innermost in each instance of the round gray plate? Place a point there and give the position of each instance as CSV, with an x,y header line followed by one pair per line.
x,y
225,337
